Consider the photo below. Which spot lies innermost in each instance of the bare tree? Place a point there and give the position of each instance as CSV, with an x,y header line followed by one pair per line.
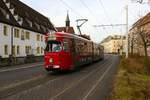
x,y
133,41
145,37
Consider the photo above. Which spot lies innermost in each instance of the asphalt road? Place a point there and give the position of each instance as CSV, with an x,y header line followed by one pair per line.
x,y
92,82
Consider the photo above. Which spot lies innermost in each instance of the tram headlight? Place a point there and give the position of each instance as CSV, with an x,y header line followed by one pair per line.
x,y
51,60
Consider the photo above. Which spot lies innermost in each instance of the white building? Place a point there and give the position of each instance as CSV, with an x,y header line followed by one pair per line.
x,y
114,44
22,30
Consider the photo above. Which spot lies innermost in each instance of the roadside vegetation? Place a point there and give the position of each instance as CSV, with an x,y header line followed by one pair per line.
x,y
133,79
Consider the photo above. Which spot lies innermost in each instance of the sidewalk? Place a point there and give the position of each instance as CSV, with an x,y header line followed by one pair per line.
x,y
22,66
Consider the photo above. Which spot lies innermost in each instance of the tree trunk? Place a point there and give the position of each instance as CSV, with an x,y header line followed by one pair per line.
x,y
144,44
145,49
132,46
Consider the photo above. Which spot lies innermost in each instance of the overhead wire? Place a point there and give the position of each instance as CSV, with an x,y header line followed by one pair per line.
x,y
89,10
105,12
68,6
91,13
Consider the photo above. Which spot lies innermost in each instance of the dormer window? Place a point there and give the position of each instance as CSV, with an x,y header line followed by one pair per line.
x,y
37,26
36,19
19,19
12,6
16,17
45,23
8,4
12,10
4,13
43,28
7,16
27,15
47,29
29,22
5,1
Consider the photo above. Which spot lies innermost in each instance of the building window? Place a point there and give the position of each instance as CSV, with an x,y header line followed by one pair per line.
x,y
6,49
38,50
7,16
18,50
16,33
41,38
27,35
41,50
22,35
5,30
27,49
38,37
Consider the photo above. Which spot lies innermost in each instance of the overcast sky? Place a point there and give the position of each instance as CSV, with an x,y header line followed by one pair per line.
x,y
97,12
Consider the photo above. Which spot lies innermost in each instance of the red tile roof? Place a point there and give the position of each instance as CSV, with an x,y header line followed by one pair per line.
x,y
142,21
65,29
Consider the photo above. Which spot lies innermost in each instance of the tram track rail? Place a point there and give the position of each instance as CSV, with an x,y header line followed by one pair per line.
x,y
17,88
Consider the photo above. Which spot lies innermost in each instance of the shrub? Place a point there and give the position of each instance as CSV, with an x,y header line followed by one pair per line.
x,y
132,81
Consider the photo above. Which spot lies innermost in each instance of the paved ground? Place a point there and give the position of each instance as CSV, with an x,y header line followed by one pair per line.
x,y
92,82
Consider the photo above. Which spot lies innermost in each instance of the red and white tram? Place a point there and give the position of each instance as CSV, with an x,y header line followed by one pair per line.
x,y
65,51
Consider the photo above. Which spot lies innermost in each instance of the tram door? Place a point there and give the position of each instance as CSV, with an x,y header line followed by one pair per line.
x,y
67,59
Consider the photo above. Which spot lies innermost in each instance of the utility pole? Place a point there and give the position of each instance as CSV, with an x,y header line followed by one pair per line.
x,y
121,46
127,52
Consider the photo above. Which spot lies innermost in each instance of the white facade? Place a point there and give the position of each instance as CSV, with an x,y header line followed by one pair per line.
x,y
114,44
22,47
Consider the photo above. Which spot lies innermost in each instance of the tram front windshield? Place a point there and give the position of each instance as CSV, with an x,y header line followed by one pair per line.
x,y
53,46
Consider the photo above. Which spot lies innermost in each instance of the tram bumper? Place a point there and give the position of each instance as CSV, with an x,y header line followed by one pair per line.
x,y
52,67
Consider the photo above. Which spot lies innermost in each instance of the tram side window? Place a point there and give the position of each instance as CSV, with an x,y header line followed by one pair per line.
x,y
66,46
